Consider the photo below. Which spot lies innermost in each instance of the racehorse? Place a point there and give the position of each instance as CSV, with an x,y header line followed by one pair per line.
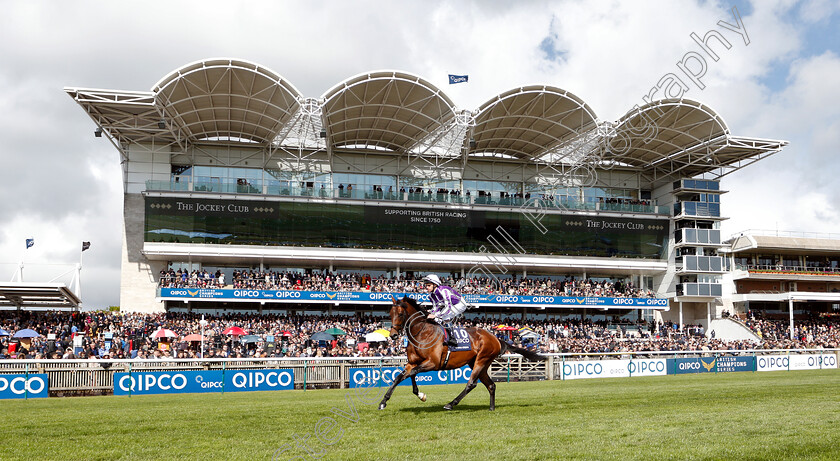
x,y
426,352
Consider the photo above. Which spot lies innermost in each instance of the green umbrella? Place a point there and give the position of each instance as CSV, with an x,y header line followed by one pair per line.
x,y
335,331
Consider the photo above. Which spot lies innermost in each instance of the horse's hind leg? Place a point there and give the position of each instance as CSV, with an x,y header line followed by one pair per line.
x,y
476,372
490,385
470,386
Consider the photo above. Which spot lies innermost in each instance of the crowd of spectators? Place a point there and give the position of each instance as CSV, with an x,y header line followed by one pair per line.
x,y
107,335
327,281
810,330
195,279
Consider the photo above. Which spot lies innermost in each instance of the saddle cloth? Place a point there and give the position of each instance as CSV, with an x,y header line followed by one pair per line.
x,y
462,338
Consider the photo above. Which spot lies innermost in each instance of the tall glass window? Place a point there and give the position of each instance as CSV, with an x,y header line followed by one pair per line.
x,y
306,183
493,188
370,186
202,220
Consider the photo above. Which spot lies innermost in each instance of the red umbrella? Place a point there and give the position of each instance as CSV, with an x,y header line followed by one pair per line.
x,y
235,331
164,333
193,337
287,333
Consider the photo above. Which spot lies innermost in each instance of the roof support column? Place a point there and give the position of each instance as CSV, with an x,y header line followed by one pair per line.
x,y
681,318
708,317
790,313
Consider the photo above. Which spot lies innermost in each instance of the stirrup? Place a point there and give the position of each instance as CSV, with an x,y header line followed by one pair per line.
x,y
450,340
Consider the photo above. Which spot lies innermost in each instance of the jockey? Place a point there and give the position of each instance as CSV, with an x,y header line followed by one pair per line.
x,y
447,304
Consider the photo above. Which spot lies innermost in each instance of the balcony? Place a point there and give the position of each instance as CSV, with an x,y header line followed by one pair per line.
x,y
707,290
277,189
697,237
696,185
701,264
697,210
780,272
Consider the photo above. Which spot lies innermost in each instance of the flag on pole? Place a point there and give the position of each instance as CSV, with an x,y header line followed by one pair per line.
x,y
85,245
30,243
458,79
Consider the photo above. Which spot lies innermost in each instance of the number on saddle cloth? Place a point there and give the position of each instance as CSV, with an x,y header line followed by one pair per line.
x,y
462,338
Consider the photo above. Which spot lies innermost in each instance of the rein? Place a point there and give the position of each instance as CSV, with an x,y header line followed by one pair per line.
x,y
408,321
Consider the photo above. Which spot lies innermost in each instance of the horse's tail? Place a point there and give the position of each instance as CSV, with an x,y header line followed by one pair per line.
x,y
533,356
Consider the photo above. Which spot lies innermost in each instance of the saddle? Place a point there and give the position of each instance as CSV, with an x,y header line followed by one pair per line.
x,y
462,339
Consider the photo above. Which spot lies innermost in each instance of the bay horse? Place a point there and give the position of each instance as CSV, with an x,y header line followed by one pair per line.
x,y
426,351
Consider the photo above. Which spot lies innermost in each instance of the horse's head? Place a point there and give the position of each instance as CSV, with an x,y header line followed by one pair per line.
x,y
398,316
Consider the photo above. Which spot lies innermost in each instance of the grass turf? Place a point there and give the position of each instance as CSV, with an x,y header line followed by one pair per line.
x,y
776,415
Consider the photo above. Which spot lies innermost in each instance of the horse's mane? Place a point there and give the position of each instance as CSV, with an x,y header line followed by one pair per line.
x,y
413,302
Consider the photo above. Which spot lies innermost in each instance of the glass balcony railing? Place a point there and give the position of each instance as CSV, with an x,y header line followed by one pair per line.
x,y
278,189
692,263
789,270
699,289
691,236
697,184
699,209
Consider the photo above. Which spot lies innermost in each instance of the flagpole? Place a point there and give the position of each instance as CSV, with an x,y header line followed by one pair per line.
x,y
79,276
23,261
20,266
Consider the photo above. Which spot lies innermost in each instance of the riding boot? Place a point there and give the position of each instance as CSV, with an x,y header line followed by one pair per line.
x,y
450,341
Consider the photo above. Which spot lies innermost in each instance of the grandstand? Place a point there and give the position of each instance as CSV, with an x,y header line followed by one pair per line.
x,y
228,168
784,275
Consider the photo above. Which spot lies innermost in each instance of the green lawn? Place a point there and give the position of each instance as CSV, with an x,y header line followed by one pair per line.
x,y
777,415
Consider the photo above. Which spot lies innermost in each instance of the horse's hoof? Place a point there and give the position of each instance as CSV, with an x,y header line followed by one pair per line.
x,y
448,406
422,397
382,406
492,408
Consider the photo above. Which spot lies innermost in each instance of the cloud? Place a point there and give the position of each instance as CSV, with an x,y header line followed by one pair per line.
x,y
795,188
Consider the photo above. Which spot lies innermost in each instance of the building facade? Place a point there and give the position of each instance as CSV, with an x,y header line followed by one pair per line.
x,y
784,275
227,167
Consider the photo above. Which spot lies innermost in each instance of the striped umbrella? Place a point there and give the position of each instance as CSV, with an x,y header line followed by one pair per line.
x,y
164,333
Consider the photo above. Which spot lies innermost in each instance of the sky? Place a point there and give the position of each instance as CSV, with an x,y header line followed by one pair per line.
x,y
61,185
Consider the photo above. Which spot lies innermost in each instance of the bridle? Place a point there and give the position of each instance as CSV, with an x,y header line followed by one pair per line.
x,y
405,320
401,318
405,327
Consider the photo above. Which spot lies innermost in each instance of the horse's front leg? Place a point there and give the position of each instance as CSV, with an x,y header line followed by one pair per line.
x,y
408,369
417,392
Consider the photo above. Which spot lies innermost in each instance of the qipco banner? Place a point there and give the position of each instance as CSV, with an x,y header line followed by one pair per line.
x,y
796,362
370,377
182,382
21,386
614,368
295,296
710,364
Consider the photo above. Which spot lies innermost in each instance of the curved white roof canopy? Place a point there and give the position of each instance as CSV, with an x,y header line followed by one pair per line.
x,y
529,122
226,99
388,110
667,131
